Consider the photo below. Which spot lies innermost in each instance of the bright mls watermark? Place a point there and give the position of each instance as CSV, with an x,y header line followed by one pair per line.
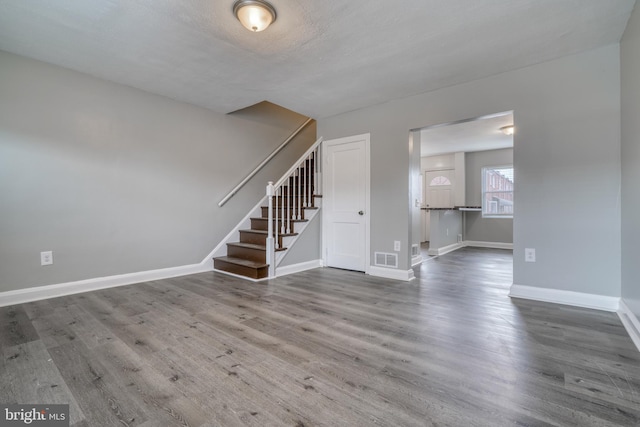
x,y
34,415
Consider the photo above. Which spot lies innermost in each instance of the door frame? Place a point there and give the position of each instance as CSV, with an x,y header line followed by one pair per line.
x,y
367,217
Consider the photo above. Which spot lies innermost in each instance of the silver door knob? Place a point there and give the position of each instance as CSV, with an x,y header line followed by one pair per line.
x,y
360,213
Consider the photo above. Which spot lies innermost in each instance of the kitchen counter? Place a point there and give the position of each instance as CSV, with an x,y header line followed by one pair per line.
x,y
455,208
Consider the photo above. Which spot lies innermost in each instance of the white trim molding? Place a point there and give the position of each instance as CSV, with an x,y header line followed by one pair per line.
x,y
21,296
390,273
492,245
416,260
250,279
445,249
297,268
578,299
469,243
366,137
631,323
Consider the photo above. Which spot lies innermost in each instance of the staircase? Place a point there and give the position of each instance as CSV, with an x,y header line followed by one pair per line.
x,y
293,200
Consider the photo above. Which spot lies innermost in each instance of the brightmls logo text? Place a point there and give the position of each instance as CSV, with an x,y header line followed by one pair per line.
x,y
26,416
35,415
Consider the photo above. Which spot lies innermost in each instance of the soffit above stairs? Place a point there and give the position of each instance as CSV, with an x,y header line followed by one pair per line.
x,y
320,58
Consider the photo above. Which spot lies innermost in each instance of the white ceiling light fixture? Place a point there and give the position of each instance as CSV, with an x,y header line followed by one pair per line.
x,y
507,130
255,15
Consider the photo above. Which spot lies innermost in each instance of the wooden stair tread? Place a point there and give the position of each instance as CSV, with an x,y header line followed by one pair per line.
x,y
252,246
248,256
242,262
279,219
266,232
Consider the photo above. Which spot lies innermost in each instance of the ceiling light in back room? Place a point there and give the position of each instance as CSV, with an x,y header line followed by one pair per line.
x,y
507,130
254,15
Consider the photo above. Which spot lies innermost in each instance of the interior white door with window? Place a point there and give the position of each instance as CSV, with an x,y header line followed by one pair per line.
x,y
438,193
439,188
345,202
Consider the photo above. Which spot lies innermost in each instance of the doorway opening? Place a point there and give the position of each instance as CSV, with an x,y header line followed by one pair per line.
x,y
467,184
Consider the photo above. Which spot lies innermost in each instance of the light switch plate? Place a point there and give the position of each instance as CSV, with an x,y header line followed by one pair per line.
x,y
46,258
530,255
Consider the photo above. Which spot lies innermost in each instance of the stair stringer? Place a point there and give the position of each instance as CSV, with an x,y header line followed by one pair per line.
x,y
221,249
289,242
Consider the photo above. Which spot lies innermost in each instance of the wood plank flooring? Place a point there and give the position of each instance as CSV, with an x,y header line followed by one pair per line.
x,y
323,347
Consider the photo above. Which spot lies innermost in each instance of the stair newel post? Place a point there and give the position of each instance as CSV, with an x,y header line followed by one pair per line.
x,y
270,253
275,217
282,210
300,192
310,179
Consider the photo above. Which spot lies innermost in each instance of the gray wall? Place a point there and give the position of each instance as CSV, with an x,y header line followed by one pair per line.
x,y
477,228
445,227
566,154
115,180
630,60
307,247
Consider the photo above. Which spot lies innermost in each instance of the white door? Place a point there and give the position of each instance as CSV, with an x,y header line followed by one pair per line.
x,y
438,193
439,189
345,202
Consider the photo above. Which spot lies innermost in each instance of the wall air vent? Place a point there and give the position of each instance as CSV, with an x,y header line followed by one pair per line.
x,y
384,259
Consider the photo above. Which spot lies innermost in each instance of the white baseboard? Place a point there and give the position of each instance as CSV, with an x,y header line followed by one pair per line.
x,y
37,293
445,249
297,268
390,273
416,260
492,245
578,299
631,323
239,276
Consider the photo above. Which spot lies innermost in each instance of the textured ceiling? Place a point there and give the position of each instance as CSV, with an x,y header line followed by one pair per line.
x,y
320,58
472,135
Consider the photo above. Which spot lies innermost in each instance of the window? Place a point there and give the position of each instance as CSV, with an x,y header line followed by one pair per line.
x,y
497,192
439,180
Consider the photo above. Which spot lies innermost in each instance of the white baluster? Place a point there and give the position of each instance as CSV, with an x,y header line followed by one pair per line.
x,y
294,205
270,246
304,183
289,195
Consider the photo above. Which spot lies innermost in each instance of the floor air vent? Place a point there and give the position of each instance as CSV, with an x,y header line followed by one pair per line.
x,y
384,259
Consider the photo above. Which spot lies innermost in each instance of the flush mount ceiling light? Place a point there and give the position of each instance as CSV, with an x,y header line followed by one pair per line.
x,y
507,130
255,15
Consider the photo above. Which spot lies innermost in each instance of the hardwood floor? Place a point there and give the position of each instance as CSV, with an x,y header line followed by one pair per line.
x,y
323,347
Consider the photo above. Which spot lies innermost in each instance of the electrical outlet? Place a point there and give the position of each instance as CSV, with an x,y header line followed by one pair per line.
x,y
396,245
46,258
529,255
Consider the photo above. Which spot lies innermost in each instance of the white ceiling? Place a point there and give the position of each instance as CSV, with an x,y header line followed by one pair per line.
x,y
472,135
320,58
